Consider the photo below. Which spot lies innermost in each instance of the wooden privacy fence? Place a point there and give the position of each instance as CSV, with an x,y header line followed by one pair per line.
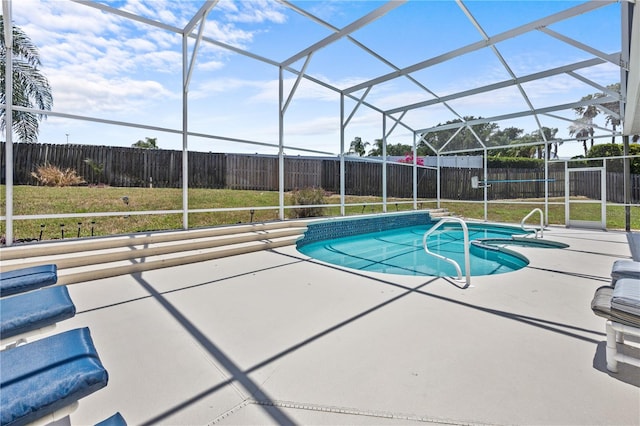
x,y
504,183
134,167
125,167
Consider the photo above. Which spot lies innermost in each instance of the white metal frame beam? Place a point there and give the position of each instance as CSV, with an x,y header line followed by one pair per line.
x,y
595,85
354,26
200,16
8,117
161,129
505,65
357,106
595,101
566,69
523,29
187,71
297,83
573,120
632,110
129,15
369,51
582,46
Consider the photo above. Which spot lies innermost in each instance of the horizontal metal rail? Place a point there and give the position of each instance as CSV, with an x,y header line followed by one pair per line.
x,y
467,262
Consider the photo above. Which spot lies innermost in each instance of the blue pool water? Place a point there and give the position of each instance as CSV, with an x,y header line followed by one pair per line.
x,y
400,251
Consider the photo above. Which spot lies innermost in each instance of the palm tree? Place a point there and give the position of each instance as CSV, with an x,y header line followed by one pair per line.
x,y
30,87
376,151
612,118
587,114
358,147
582,128
550,136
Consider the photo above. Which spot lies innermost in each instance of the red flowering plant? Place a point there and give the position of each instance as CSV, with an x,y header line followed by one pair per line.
x,y
408,158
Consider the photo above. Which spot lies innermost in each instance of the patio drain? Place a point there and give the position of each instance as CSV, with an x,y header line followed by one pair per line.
x,y
341,410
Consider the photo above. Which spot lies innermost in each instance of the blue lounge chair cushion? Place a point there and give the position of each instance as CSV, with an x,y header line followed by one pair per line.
x,y
626,296
31,311
625,268
27,279
46,375
115,420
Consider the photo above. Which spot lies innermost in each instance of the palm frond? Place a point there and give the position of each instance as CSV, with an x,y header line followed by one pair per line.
x,y
31,88
23,47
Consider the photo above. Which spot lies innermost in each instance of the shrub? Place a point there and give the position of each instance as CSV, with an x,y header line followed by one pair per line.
x,y
97,168
616,150
308,197
49,175
514,163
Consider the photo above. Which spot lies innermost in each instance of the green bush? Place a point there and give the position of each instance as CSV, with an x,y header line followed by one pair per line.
x,y
605,150
615,150
307,197
634,149
98,168
514,163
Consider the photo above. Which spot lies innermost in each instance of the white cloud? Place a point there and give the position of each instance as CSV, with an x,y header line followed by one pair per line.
x,y
263,91
140,45
314,126
211,87
395,98
162,39
166,61
41,19
255,12
172,12
326,10
228,34
267,91
93,94
604,74
210,65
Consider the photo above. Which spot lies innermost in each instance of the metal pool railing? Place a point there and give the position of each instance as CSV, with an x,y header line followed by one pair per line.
x,y
467,261
524,219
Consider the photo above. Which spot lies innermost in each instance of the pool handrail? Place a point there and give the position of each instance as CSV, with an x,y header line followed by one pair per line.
x,y
467,262
524,219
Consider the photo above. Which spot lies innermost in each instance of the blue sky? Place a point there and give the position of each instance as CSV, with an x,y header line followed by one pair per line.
x,y
105,66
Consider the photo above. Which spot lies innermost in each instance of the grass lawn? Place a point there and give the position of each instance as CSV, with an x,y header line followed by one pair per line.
x,y
514,212
32,200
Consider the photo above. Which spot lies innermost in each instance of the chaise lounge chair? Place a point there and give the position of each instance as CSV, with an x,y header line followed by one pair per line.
x,y
620,305
624,268
27,279
43,380
35,312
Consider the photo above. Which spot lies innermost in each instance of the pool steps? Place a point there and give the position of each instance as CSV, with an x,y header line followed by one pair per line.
x,y
80,260
438,213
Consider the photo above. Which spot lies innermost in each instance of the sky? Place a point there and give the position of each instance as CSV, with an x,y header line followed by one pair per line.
x,y
108,67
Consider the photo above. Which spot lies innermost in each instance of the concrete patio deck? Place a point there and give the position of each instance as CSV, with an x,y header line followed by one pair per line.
x,y
274,337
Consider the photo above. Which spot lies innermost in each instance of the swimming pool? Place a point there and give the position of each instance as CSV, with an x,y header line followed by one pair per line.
x,y
400,251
